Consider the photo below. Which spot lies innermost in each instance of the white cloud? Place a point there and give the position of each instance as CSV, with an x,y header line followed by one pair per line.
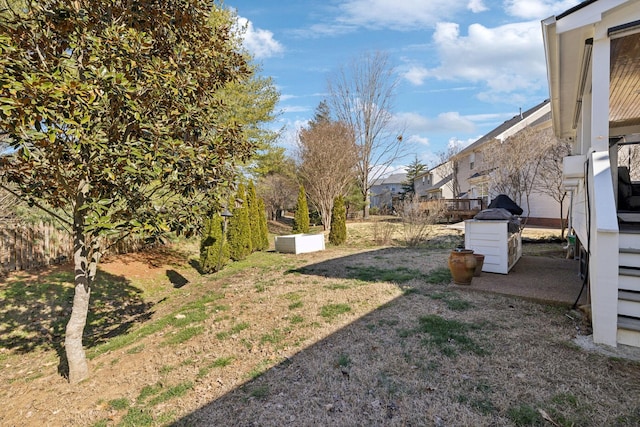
x,y
324,30
259,42
418,139
506,59
397,15
449,121
295,109
477,6
537,9
416,75
456,144
289,135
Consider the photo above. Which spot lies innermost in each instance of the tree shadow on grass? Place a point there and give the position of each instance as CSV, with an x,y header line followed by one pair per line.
x,y
395,264
176,279
35,308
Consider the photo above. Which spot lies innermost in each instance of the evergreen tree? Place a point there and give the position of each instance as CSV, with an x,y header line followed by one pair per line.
x,y
321,115
264,230
415,168
338,233
214,250
301,217
254,217
239,233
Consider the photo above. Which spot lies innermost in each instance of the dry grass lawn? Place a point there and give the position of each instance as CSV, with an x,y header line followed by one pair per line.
x,y
364,334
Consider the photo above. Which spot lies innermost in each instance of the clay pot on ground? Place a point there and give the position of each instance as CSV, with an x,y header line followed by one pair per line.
x,y
479,264
462,264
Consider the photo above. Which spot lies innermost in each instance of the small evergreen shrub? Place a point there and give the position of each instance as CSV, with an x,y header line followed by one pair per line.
x,y
264,230
239,233
301,217
214,251
338,232
254,217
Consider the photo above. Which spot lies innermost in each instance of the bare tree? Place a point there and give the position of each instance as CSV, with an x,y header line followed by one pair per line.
x,y
550,173
327,158
417,222
362,95
449,166
278,192
629,156
515,163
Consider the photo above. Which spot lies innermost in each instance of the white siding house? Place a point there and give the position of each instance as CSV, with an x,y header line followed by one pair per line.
x,y
436,183
385,190
593,67
473,172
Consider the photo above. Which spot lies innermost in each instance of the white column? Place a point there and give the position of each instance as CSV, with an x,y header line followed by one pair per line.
x,y
600,92
604,252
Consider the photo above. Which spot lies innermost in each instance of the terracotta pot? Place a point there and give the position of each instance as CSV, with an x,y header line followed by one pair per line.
x,y
479,264
462,264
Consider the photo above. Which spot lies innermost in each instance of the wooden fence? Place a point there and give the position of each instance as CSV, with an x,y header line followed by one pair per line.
x,y
34,246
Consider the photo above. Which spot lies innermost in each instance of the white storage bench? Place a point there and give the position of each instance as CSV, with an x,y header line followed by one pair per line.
x,y
300,243
492,239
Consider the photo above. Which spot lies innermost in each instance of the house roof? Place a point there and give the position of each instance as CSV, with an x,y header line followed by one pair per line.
x,y
570,40
438,185
395,178
534,115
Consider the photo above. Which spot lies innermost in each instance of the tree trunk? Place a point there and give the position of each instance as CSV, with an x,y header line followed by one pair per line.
x,y
365,209
85,259
562,221
76,358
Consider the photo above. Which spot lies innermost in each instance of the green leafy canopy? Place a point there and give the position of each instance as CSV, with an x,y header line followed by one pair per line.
x,y
129,105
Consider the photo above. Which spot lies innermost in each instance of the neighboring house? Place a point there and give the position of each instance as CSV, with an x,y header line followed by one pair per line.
x,y
385,191
436,183
593,67
473,169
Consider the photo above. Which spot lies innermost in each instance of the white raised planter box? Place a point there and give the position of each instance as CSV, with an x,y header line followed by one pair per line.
x,y
300,243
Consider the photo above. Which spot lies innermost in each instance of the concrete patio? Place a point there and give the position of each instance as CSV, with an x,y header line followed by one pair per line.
x,y
539,278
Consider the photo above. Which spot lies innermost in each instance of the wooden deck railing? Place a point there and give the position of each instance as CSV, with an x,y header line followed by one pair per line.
x,y
456,209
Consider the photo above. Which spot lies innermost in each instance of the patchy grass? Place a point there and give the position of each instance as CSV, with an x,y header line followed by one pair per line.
x,y
449,336
354,335
171,393
439,276
119,404
184,335
331,311
376,274
451,300
294,305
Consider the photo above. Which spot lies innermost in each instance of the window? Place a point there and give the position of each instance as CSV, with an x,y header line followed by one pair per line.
x,y
472,160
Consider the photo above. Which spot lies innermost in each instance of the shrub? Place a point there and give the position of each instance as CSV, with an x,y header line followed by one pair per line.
x,y
338,233
239,233
214,250
254,217
417,222
301,217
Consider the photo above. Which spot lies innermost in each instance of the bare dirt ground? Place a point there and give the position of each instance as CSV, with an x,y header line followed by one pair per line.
x,y
355,335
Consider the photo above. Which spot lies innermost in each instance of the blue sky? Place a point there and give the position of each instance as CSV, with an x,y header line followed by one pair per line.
x,y
464,66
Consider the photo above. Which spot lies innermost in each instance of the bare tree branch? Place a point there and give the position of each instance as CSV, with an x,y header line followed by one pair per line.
x,y
362,97
328,157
